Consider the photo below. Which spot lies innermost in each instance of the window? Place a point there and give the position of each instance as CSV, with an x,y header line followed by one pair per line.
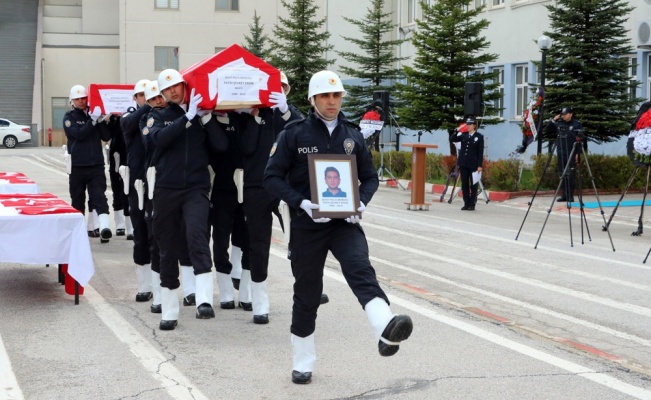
x,y
499,79
480,3
521,89
497,3
60,106
166,57
167,4
411,11
633,78
227,5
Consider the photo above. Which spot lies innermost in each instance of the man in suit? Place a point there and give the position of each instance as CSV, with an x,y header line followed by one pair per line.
x,y
471,157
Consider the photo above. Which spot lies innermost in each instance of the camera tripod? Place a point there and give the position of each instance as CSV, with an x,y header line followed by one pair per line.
x,y
382,169
639,230
565,180
454,177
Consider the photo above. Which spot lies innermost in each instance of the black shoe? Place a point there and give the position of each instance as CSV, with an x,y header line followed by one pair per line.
x,y
236,283
398,329
167,325
156,308
301,378
189,300
94,233
205,311
143,296
464,208
105,235
120,232
227,305
324,298
560,199
261,319
245,306
471,208
130,236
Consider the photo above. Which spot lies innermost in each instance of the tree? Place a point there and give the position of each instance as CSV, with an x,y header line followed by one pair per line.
x,y
585,69
257,42
375,62
448,54
300,48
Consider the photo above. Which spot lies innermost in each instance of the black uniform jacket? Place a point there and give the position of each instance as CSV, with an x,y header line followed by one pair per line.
x,y
133,140
85,138
287,175
568,133
257,140
182,148
471,154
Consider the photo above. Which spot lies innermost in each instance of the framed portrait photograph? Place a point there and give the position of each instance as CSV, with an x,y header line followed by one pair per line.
x,y
334,185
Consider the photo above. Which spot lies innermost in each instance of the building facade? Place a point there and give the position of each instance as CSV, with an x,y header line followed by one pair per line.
x,y
122,41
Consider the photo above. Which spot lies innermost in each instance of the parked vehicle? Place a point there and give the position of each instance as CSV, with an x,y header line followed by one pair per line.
x,y
11,133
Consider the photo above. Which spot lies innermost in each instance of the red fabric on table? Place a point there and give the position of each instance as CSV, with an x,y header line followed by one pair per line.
x,y
36,204
15,177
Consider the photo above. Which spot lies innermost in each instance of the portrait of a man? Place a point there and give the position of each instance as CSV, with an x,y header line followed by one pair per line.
x,y
333,179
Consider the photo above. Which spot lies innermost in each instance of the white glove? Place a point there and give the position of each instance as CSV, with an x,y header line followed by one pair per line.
x,y
238,178
65,149
287,219
96,113
140,190
280,101
116,158
151,182
354,219
106,154
194,103
308,206
124,173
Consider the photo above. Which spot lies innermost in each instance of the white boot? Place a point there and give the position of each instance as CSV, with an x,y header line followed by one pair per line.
x,y
104,230
92,223
226,293
129,227
118,216
188,283
236,262
155,285
245,290
304,358
143,281
204,295
170,303
260,300
389,329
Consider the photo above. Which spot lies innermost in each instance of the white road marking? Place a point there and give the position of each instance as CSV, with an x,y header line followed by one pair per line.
x,y
9,389
571,367
172,380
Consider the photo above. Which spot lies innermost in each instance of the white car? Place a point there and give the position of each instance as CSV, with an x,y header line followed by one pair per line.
x,y
11,134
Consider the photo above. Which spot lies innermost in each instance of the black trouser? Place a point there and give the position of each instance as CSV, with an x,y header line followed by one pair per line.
x,y
259,206
120,200
141,248
93,180
175,209
467,188
308,250
227,221
151,239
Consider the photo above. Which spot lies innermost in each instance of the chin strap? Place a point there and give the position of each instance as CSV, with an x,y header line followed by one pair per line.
x,y
316,110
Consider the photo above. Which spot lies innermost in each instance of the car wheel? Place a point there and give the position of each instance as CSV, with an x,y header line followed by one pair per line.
x,y
10,141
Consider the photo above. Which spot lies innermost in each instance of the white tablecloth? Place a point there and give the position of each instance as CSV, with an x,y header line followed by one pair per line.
x,y
48,239
23,188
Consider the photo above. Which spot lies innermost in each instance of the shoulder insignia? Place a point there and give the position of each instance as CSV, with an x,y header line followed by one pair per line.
x,y
273,149
150,122
67,123
145,131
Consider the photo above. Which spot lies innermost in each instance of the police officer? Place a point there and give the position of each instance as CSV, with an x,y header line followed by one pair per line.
x,y
117,159
85,133
135,164
470,160
326,131
564,127
181,194
259,205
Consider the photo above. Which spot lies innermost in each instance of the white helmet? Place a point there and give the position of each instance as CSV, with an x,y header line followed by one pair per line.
x,y
77,92
285,81
325,82
151,90
169,77
140,86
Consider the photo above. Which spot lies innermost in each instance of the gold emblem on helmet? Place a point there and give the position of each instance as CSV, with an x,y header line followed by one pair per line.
x,y
332,81
168,78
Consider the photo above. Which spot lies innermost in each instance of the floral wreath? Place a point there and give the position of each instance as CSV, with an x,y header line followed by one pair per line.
x,y
641,136
529,119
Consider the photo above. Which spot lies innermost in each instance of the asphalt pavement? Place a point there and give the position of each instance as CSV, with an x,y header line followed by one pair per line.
x,y
560,313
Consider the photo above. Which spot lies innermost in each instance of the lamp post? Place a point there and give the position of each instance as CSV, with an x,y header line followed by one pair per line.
x,y
544,43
